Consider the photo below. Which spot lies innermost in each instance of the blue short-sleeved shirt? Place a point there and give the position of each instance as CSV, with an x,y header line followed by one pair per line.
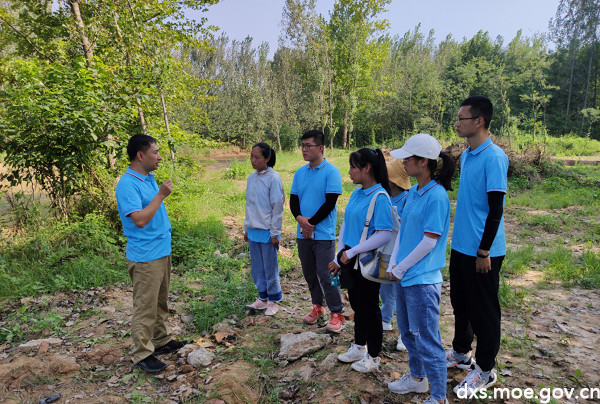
x,y
482,170
134,192
398,201
425,211
356,214
311,185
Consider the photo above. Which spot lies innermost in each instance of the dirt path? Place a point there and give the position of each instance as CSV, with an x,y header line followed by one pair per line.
x,y
552,335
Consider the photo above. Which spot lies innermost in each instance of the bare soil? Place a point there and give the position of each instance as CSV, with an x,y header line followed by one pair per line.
x,y
553,334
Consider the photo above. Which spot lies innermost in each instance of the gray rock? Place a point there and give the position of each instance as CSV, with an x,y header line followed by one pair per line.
x,y
328,363
295,346
183,352
187,318
200,357
241,256
35,343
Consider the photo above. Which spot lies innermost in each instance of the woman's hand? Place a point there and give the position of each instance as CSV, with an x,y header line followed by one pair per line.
x,y
246,236
344,258
275,241
391,274
333,267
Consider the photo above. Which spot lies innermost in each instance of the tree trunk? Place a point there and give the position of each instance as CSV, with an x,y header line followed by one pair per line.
x,y
331,131
345,129
166,118
570,90
85,42
278,131
587,87
137,99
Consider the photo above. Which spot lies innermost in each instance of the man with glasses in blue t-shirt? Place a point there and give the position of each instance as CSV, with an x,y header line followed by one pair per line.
x,y
478,248
315,189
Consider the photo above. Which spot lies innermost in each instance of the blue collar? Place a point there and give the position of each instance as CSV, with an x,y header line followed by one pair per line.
x,y
401,196
427,187
481,147
137,175
374,188
320,166
263,171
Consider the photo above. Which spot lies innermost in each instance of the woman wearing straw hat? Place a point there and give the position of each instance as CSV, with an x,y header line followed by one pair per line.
x,y
399,186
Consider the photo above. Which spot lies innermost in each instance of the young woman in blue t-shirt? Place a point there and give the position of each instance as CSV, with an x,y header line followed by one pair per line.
x,y
420,254
368,169
262,225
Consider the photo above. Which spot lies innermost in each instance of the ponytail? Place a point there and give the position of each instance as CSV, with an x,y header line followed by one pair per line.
x,y
267,152
375,158
442,172
381,175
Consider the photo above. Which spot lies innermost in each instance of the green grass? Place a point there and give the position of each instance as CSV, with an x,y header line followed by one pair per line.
x,y
560,263
62,256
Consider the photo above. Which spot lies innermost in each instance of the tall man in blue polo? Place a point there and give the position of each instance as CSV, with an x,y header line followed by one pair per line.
x,y
478,248
315,189
148,231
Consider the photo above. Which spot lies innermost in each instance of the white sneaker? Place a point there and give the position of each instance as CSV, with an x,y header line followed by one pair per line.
x,y
407,384
453,362
400,345
367,364
355,353
432,400
473,383
386,326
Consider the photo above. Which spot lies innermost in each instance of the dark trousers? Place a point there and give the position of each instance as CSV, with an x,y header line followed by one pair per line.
x,y
364,299
474,298
315,256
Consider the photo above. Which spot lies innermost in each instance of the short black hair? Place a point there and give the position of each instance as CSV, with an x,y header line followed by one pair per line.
x,y
315,134
138,143
480,106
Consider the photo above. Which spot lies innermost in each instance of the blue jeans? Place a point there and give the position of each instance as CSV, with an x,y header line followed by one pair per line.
x,y
388,301
418,311
265,270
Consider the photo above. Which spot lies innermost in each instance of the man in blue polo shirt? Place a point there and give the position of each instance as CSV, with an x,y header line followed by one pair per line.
x,y
148,231
478,248
315,189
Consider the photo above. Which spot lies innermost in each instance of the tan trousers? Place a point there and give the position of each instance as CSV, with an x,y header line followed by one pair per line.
x,y
149,325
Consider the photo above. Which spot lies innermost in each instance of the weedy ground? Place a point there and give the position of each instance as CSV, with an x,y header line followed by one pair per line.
x,y
69,280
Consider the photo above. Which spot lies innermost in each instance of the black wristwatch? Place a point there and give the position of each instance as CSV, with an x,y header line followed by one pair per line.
x,y
482,256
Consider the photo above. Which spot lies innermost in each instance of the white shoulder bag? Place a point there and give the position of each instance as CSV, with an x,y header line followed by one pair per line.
x,y
374,263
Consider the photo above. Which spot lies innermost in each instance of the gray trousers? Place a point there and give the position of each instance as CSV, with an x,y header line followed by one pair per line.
x,y
315,256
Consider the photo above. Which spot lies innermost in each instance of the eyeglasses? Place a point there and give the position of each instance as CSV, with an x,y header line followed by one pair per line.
x,y
410,158
458,121
308,146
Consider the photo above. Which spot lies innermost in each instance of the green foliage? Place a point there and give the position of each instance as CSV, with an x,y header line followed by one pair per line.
x,y
62,256
56,124
25,322
238,170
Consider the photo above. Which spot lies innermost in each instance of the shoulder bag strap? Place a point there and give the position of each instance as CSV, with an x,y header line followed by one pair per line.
x,y
365,231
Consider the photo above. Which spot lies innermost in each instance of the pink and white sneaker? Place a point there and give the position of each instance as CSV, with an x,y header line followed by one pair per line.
x,y
258,305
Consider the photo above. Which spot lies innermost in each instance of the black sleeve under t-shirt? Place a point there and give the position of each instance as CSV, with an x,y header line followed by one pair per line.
x,y
322,213
496,203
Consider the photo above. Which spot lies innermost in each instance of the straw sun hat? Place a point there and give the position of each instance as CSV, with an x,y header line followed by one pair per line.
x,y
397,174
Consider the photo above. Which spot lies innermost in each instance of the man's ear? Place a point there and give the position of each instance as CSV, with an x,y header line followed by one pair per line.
x,y
140,155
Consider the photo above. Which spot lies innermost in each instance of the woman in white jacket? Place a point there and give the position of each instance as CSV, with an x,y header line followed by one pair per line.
x,y
262,227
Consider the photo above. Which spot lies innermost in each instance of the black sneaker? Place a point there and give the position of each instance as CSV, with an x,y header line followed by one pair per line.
x,y
150,364
171,346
